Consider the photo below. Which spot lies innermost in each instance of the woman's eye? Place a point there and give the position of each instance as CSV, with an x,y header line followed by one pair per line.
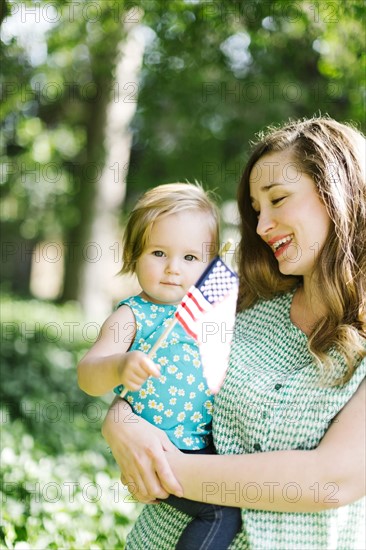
x,y
158,253
190,257
276,201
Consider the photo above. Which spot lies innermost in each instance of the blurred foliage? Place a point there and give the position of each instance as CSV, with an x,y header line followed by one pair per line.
x,y
214,74
58,480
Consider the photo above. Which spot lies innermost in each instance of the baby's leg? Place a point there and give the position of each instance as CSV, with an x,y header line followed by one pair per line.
x,y
212,527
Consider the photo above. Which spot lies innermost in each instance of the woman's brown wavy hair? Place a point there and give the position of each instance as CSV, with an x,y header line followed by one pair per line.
x,y
333,155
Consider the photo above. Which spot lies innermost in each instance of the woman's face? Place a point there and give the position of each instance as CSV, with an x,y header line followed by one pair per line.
x,y
292,219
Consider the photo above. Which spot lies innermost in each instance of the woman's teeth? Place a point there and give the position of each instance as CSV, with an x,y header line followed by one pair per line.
x,y
277,244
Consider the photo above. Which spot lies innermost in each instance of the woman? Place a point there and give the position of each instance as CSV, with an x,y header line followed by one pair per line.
x,y
289,419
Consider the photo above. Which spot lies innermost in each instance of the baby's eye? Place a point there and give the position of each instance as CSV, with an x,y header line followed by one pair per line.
x,y
190,258
158,253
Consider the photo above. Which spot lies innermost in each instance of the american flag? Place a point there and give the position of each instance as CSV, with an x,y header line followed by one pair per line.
x,y
207,313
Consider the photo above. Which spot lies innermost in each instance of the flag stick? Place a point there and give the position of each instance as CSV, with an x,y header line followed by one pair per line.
x,y
171,325
225,247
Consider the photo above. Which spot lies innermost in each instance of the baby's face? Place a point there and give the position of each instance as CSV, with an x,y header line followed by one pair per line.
x,y
175,256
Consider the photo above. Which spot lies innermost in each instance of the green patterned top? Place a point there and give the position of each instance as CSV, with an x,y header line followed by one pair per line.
x,y
271,400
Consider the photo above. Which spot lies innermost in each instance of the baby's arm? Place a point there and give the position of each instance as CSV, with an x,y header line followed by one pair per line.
x,y
109,363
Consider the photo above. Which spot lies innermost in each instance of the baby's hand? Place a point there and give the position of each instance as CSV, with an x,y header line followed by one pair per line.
x,y
135,368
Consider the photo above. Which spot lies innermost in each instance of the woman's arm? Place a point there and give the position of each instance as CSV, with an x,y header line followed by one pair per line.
x,y
329,476
108,363
138,448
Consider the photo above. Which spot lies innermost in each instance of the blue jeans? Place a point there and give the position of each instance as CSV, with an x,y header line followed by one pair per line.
x,y
212,527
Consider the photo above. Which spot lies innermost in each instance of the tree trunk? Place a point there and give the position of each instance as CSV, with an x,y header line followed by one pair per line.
x,y
101,251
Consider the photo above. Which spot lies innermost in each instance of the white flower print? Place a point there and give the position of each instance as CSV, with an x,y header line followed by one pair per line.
x,y
186,357
196,363
139,407
157,419
181,416
145,347
188,441
190,379
176,358
152,404
149,323
168,413
163,361
179,376
160,407
196,417
178,432
192,395
208,406
188,406
181,392
173,390
172,369
143,393
201,386
154,307
130,399
173,401
162,379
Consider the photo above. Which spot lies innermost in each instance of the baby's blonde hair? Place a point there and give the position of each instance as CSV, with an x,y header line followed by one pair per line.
x,y
162,201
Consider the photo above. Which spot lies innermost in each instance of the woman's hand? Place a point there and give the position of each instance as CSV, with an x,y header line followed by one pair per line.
x,y
139,450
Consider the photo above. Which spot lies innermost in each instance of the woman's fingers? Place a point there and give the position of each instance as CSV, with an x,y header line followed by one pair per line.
x,y
163,472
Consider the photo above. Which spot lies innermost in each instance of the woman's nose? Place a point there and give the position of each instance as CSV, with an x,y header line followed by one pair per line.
x,y
265,223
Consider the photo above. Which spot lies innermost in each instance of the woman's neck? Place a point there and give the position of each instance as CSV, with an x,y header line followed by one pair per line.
x,y
307,307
